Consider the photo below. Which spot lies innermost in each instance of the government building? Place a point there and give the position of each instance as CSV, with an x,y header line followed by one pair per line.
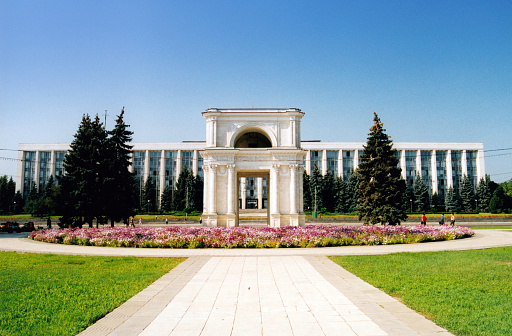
x,y
255,159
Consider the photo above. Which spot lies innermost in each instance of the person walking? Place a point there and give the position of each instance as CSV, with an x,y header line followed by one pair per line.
x,y
441,221
424,219
166,221
452,219
140,221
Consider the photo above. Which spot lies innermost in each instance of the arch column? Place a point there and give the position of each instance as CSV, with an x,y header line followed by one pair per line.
x,y
212,206
231,191
275,215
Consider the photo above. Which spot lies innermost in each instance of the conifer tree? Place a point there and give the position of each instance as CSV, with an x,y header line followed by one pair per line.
x,y
421,196
120,196
483,195
166,202
352,195
306,189
436,202
185,188
380,185
467,194
86,167
316,185
149,195
341,195
329,191
198,193
451,200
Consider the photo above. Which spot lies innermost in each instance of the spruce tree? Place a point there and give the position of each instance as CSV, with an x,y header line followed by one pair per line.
x,y
421,195
451,200
149,195
317,186
467,194
352,186
306,189
436,202
166,202
183,195
483,195
120,196
341,195
86,167
198,193
380,185
329,191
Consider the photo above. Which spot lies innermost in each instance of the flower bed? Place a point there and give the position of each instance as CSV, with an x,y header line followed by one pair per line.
x,y
249,237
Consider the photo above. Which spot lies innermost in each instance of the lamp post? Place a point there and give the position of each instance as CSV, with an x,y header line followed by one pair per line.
x,y
411,204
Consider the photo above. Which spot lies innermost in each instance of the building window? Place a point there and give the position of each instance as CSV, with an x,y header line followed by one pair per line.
x,y
426,168
59,165
471,167
170,168
187,159
332,162
456,169
139,157
154,171
316,160
45,159
29,172
441,173
200,172
410,167
348,164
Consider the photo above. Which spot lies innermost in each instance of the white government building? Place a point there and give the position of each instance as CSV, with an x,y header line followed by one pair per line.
x,y
255,159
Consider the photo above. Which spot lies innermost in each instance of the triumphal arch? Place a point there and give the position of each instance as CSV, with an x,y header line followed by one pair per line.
x,y
248,144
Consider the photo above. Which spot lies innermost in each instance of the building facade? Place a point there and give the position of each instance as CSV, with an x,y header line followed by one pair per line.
x,y
440,165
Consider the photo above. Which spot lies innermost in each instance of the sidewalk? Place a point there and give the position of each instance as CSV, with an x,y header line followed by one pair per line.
x,y
262,291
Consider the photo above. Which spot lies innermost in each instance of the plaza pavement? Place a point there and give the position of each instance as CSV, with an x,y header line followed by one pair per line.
x,y
261,291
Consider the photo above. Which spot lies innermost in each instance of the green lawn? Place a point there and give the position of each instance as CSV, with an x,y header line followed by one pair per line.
x,y
42,294
466,292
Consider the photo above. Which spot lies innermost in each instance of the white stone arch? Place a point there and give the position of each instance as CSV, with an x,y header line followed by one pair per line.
x,y
254,127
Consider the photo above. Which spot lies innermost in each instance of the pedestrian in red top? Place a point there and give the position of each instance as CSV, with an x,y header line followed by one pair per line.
x,y
424,220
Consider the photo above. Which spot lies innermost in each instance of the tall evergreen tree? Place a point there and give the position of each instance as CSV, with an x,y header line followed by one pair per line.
x,y
352,195
149,197
380,184
329,191
341,195
467,194
306,189
436,202
120,193
198,193
184,194
483,195
86,167
166,202
6,194
317,186
451,200
421,195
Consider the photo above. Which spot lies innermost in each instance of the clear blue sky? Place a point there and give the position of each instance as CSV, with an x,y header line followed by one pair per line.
x,y
434,71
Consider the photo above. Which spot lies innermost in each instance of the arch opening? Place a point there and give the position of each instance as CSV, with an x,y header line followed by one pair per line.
x,y
253,140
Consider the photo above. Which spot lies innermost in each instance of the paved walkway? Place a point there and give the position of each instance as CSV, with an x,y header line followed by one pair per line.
x,y
262,291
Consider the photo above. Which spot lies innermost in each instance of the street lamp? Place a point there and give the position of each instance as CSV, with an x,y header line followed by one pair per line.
x,y
411,205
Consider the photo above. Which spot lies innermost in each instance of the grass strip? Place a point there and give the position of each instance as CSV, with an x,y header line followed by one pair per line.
x,y
43,294
465,292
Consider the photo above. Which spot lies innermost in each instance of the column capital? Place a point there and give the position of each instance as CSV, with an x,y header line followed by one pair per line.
x,y
231,167
294,167
276,166
213,167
